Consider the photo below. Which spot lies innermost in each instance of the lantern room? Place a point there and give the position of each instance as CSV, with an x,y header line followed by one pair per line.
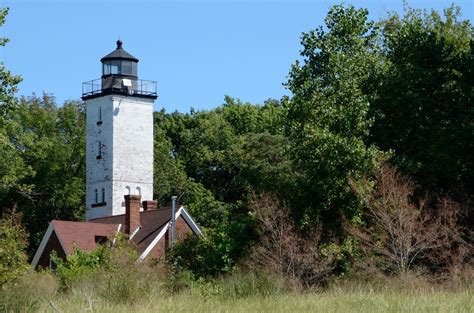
x,y
119,62
119,76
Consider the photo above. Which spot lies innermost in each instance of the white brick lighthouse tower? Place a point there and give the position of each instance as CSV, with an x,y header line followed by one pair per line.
x,y
119,153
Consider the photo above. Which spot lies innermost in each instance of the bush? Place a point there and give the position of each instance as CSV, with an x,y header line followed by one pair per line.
x,y
178,280
79,265
112,274
217,251
285,251
402,231
13,242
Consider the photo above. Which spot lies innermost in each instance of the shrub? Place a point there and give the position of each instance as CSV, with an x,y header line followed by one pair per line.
x,y
217,251
178,280
400,231
13,242
79,265
286,251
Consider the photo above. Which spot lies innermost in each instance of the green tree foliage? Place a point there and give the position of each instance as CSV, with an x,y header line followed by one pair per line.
x,y
423,105
327,118
8,82
231,151
12,167
214,146
50,143
13,260
218,250
215,160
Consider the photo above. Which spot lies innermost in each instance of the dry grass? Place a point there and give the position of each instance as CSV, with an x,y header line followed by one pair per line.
x,y
336,300
240,292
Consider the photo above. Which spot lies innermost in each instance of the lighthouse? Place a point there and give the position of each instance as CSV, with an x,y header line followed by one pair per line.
x,y
119,138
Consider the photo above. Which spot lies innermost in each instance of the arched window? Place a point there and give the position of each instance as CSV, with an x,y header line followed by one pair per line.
x,y
127,190
96,196
139,191
103,195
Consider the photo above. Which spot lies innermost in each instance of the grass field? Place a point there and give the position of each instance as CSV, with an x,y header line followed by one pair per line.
x,y
329,301
129,291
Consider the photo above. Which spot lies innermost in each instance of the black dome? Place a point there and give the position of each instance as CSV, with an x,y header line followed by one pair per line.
x,y
119,54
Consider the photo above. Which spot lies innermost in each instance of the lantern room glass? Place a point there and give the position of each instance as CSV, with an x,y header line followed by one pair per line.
x,y
119,67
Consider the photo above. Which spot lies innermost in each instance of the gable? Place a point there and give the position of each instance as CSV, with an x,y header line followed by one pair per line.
x,y
53,244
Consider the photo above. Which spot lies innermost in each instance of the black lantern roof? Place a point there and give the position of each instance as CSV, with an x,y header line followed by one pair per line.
x,y
119,54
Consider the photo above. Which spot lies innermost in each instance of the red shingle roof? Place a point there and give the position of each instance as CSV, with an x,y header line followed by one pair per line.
x,y
151,223
82,234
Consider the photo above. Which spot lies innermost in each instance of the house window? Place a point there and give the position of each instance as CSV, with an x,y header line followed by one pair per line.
x,y
52,265
99,150
103,194
99,122
100,239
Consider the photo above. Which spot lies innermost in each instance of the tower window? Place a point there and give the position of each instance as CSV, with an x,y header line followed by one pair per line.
x,y
99,150
99,122
139,191
97,203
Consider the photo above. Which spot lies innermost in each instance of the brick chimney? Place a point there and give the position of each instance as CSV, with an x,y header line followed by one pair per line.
x,y
132,213
149,205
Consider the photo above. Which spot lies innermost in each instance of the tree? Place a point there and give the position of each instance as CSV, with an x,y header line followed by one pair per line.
x,y
12,167
327,118
8,82
215,160
423,106
50,143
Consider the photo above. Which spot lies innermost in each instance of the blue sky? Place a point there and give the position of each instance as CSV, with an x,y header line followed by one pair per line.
x,y
197,51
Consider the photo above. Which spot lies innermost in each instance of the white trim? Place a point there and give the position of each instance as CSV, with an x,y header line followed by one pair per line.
x,y
135,232
154,242
115,237
43,244
182,211
187,217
